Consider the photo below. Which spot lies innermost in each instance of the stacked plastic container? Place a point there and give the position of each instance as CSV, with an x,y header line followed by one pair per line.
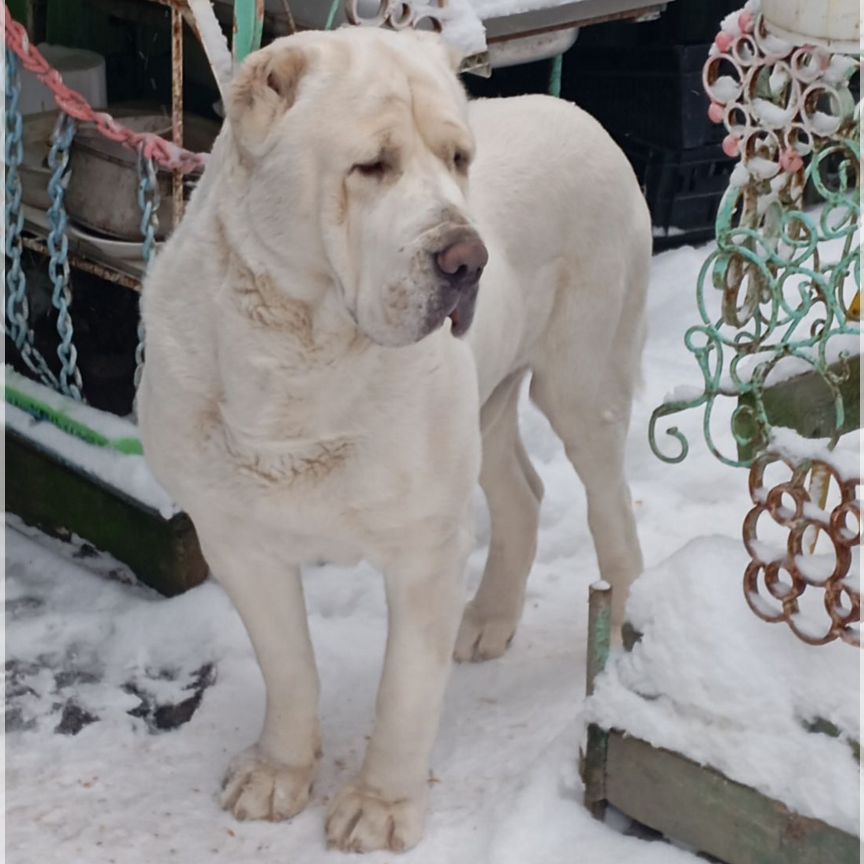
x,y
643,82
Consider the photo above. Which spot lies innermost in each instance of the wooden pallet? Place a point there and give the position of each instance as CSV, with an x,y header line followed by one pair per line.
x,y
59,498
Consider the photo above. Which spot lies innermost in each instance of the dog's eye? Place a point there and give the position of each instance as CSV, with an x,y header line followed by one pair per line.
x,y
375,170
461,161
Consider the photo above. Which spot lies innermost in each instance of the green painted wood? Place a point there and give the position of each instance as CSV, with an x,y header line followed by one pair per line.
x,y
59,498
593,766
806,404
715,815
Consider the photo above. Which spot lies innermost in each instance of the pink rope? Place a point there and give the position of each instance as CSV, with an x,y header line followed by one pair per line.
x,y
165,152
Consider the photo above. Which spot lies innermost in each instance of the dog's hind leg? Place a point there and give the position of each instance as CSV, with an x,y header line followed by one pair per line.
x,y
513,492
592,425
273,778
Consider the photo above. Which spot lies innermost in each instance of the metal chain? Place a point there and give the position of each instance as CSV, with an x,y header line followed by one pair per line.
x,y
58,246
166,153
16,320
148,201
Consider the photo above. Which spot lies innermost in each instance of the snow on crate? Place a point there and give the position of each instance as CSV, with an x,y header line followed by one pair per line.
x,y
116,461
711,681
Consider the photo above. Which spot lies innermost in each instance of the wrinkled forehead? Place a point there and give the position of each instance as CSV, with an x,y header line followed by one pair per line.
x,y
396,79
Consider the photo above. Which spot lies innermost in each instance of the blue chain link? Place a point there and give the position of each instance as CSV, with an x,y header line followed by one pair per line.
x,y
16,321
148,201
58,246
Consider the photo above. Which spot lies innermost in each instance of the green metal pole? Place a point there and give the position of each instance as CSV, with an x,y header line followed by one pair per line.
x,y
331,17
248,28
555,76
599,640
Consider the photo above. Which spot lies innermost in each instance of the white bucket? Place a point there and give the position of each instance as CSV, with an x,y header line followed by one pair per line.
x,y
832,24
81,70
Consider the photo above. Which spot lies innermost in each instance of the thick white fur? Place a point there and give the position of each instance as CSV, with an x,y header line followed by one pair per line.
x,y
296,406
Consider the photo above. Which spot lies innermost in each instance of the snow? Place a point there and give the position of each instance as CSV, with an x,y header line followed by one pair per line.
x,y
671,231
824,124
128,473
761,167
462,27
845,461
737,698
778,79
839,68
684,393
505,788
725,88
773,116
816,568
740,175
730,23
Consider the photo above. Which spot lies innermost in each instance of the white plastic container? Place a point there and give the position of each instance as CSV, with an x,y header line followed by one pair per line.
x,y
81,70
832,24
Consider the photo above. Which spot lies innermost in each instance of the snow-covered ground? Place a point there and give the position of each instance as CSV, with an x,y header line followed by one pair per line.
x,y
85,648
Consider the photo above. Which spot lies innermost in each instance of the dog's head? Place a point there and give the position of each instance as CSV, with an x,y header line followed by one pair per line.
x,y
355,152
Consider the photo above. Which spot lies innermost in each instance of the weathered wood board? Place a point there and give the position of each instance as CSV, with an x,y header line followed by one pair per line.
x,y
59,498
701,807
806,404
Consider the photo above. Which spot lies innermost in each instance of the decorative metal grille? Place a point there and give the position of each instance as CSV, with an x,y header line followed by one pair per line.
x,y
779,301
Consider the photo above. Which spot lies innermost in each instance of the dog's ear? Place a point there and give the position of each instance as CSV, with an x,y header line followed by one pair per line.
x,y
264,89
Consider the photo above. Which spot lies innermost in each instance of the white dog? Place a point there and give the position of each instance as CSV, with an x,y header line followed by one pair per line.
x,y
315,390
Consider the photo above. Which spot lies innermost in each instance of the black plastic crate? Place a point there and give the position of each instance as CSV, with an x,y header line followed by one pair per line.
x,y
690,21
683,188
510,80
653,94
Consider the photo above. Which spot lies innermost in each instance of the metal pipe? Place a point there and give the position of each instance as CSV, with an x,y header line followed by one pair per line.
x,y
599,640
177,107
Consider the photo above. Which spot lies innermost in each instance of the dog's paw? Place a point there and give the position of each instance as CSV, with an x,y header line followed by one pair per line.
x,y
359,820
256,787
483,637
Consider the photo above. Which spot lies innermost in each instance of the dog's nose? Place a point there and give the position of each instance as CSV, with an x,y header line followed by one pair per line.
x,y
463,262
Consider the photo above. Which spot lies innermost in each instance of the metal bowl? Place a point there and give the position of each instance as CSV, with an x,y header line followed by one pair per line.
x,y
102,194
103,187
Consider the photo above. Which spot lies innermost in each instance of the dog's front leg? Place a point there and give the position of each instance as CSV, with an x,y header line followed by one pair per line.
x,y
273,778
384,808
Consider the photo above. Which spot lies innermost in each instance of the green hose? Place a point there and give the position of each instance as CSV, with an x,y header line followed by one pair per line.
x,y
60,419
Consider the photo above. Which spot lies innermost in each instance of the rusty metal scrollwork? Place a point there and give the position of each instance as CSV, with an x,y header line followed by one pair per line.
x,y
777,578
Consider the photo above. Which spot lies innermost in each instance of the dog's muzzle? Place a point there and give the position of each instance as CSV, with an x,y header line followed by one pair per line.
x,y
459,265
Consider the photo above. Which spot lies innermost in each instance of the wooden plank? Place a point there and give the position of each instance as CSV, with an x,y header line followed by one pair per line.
x,y
700,807
805,403
593,766
58,498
